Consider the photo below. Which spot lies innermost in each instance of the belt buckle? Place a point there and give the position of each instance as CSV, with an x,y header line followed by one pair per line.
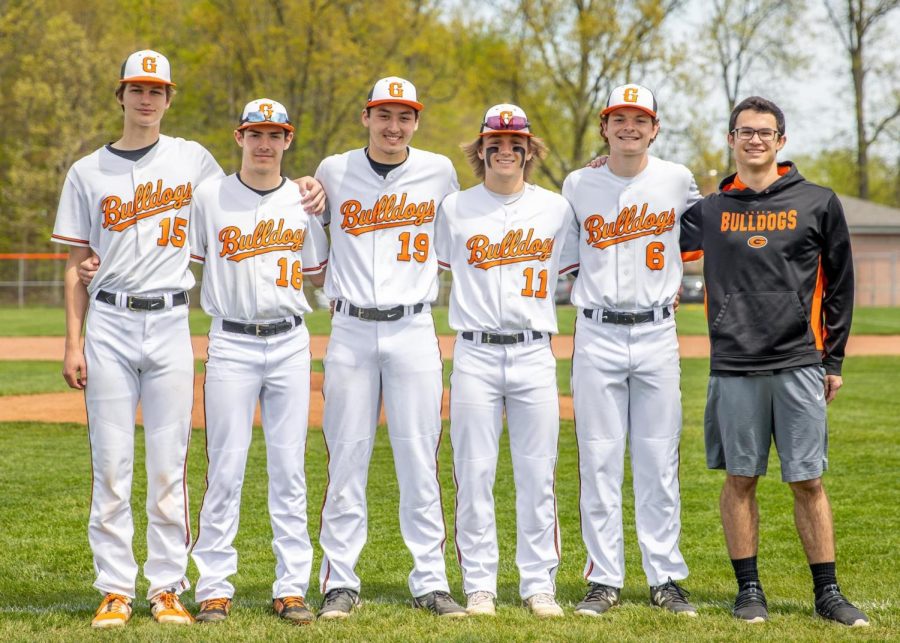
x,y
260,330
129,303
366,314
627,318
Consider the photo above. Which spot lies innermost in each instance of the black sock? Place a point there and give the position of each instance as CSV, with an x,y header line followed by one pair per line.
x,y
823,575
745,570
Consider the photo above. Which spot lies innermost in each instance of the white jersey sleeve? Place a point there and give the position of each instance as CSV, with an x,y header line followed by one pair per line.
x,y
382,228
442,233
505,257
254,263
135,214
314,252
628,228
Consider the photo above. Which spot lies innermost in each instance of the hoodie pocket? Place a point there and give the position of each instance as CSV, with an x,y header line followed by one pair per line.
x,y
760,324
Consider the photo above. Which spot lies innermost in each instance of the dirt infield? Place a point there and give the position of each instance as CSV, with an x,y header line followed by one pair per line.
x,y
69,406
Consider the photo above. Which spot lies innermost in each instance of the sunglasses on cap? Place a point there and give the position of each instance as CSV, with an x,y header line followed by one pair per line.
x,y
259,117
514,123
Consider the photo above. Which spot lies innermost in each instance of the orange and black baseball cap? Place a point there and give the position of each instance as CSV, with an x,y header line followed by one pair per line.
x,y
146,66
394,89
631,95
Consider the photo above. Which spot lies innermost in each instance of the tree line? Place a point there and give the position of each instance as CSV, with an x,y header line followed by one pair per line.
x,y
59,63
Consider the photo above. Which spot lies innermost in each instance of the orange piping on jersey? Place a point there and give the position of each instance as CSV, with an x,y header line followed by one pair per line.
x,y
693,255
815,318
72,239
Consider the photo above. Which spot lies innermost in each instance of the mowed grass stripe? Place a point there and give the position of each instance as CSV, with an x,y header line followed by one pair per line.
x,y
46,572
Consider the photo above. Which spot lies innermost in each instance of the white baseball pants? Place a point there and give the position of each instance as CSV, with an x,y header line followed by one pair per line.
x,y
399,361
132,356
626,386
241,370
485,379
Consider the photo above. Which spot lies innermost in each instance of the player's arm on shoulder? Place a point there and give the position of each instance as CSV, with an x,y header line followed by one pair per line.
x,y
313,195
74,366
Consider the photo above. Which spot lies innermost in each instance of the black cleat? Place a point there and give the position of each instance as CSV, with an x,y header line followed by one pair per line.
x,y
834,606
440,603
669,596
598,600
750,604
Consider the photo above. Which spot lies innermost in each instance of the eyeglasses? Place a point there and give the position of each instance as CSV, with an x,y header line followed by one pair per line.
x,y
765,134
514,123
259,117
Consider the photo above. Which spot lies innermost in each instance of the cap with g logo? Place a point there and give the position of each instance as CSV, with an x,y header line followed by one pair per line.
x,y
505,118
631,95
394,90
146,66
265,111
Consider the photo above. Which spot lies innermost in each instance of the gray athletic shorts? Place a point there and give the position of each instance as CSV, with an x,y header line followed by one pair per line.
x,y
744,413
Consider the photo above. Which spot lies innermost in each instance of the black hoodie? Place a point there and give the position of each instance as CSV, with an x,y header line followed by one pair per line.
x,y
778,271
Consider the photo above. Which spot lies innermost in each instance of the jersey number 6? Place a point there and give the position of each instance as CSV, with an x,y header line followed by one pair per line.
x,y
656,258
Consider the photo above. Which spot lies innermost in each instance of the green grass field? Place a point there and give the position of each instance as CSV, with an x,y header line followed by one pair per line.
x,y
691,320
46,571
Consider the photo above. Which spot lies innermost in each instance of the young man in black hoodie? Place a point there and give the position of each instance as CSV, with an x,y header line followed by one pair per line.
x,y
779,278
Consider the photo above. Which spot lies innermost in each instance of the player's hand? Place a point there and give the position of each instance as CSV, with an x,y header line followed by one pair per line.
x,y
313,193
331,306
75,369
87,269
677,300
600,161
832,384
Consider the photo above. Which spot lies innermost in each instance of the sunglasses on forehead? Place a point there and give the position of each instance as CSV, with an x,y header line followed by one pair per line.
x,y
259,117
514,123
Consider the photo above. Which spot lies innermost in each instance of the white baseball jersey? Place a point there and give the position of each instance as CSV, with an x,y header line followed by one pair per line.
x,y
255,248
382,228
628,234
505,253
134,214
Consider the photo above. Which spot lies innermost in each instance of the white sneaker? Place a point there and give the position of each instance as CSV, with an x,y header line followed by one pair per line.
x,y
544,606
481,604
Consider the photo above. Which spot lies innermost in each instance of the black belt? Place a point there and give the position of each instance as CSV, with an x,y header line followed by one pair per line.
x,y
625,317
376,314
262,330
501,338
142,303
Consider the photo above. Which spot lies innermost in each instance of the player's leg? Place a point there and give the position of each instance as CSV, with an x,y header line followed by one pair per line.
x,y
111,349
532,411
231,389
413,387
352,391
476,422
284,404
167,397
600,399
655,411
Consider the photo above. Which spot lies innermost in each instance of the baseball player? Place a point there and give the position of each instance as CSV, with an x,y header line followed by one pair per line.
x,y
129,203
257,245
503,240
779,276
382,277
625,367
